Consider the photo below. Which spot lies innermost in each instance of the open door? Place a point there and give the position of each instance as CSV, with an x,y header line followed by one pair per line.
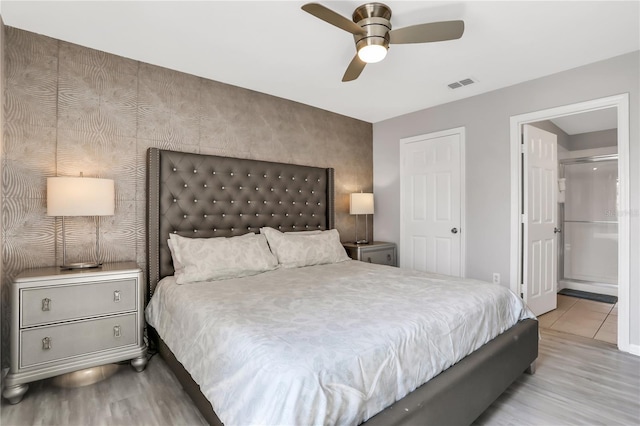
x,y
540,219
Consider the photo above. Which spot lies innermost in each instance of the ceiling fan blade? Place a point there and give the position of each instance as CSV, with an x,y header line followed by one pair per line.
x,y
426,33
354,69
333,18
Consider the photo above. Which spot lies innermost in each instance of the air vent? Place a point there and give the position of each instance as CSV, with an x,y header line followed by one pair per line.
x,y
461,83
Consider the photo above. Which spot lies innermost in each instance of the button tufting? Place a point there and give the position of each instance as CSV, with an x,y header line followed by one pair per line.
x,y
214,201
195,171
313,214
195,201
279,177
306,203
306,226
175,232
286,190
271,189
264,202
174,200
240,214
205,215
256,188
293,178
264,176
248,201
272,215
257,215
185,185
294,227
174,169
306,180
286,214
248,228
222,187
223,215
318,203
293,202
231,201
232,229
215,230
205,185
231,173
195,230
239,187
185,216
214,172
279,202
279,227
313,192
300,191
300,214
249,174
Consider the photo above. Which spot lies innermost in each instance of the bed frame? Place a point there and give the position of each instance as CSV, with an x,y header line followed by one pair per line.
x,y
197,195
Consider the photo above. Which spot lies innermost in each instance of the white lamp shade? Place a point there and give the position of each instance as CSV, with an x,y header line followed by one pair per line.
x,y
361,203
80,196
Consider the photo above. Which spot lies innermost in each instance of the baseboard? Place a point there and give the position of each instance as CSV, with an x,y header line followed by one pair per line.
x,y
634,349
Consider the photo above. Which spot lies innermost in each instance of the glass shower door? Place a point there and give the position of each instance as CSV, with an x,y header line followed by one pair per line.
x,y
590,221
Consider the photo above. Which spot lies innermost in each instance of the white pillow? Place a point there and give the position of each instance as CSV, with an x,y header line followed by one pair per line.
x,y
294,251
209,259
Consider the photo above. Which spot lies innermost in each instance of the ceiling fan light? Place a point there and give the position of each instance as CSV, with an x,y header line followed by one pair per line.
x,y
372,53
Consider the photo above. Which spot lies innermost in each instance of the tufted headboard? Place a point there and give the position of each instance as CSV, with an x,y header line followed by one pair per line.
x,y
204,196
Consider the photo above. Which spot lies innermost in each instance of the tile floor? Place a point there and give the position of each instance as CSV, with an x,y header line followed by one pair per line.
x,y
582,317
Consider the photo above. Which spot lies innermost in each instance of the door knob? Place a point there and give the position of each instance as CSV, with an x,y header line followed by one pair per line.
x,y
454,230
557,230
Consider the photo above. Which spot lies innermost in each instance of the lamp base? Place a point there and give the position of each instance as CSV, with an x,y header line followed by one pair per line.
x,y
81,265
362,242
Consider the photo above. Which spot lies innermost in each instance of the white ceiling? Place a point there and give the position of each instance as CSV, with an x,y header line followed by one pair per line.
x,y
276,48
586,122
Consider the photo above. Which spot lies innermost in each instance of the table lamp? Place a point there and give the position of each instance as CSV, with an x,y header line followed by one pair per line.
x,y
80,196
361,203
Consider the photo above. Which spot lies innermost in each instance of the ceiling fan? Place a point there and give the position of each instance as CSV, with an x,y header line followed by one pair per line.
x,y
372,32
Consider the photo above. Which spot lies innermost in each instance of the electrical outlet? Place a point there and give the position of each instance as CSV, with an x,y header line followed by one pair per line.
x,y
496,278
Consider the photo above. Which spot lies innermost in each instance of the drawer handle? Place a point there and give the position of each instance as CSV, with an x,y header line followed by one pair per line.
x,y
116,296
46,343
369,259
388,258
117,331
46,304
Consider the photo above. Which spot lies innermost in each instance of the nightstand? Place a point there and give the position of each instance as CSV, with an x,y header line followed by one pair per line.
x,y
375,252
69,320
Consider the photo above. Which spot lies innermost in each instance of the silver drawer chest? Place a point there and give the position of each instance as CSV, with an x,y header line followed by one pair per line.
x,y
68,320
375,252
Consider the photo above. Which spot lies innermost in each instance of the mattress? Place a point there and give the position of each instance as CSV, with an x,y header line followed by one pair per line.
x,y
326,344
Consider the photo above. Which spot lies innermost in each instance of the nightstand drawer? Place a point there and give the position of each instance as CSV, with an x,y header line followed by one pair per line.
x,y
51,343
45,305
381,257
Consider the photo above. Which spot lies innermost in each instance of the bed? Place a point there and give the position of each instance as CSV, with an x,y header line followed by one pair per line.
x,y
201,196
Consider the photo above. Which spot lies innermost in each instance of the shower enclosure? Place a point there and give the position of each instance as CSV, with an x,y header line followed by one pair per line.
x,y
589,224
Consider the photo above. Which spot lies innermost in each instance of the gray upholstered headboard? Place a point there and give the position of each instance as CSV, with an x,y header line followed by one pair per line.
x,y
203,196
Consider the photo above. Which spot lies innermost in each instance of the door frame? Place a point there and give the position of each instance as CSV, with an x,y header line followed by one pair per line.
x,y
621,102
463,224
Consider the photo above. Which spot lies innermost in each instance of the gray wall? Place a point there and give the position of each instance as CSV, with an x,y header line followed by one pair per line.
x,y
71,109
591,140
486,119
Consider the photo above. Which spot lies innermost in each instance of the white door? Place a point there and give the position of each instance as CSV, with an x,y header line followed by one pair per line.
x,y
430,202
540,219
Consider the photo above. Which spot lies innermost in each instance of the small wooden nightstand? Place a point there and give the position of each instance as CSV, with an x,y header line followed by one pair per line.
x,y
375,252
68,320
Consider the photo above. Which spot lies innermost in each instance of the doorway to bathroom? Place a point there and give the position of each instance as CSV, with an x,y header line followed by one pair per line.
x,y
578,233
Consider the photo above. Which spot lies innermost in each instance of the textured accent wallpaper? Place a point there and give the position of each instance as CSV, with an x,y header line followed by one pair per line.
x,y
70,109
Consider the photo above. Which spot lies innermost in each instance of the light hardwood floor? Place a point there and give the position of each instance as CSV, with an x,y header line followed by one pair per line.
x,y
579,381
